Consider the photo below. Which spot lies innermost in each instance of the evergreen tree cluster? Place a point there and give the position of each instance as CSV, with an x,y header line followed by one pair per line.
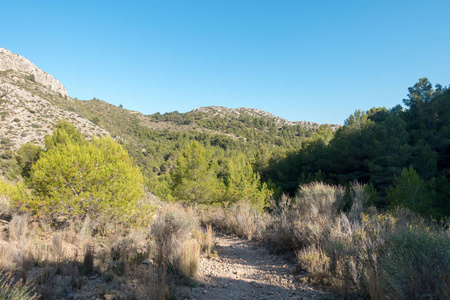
x,y
403,153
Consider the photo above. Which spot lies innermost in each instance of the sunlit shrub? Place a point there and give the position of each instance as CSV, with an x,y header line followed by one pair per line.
x,y
171,231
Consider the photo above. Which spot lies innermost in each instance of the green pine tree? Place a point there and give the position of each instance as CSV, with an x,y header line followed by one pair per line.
x,y
410,191
244,184
75,178
194,179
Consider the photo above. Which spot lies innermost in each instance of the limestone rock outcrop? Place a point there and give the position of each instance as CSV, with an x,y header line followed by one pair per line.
x,y
19,64
32,102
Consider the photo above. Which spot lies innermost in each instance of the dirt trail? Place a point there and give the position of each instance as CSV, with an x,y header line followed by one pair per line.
x,y
246,270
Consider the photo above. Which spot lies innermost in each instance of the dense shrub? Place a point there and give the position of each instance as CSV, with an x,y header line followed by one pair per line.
x,y
305,220
173,232
394,255
27,155
75,179
11,196
416,262
242,219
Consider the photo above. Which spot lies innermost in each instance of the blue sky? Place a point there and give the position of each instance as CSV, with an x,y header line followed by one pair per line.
x,y
302,60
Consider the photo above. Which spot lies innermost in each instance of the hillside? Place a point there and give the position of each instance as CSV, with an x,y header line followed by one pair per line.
x,y
230,113
32,102
29,103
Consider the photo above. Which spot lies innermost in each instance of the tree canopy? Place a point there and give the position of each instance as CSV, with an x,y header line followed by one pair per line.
x,y
76,177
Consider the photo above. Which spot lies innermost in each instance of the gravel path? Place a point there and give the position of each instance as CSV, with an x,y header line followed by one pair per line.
x,y
246,270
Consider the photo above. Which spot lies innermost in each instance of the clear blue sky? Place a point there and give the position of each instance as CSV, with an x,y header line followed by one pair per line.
x,y
302,60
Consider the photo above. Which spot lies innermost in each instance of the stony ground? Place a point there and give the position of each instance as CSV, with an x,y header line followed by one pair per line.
x,y
246,270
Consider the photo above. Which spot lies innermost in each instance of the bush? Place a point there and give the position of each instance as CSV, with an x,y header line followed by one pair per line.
x,y
172,231
242,219
319,198
98,179
306,220
417,262
27,155
394,255
10,196
315,262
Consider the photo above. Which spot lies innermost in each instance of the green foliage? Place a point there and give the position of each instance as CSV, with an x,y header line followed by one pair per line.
x,y
12,195
11,169
64,133
243,184
422,92
372,147
10,289
194,178
441,189
417,263
27,155
75,178
161,186
95,120
410,191
375,146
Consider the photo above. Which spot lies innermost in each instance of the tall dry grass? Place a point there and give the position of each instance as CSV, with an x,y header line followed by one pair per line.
x,y
241,219
173,233
361,253
305,220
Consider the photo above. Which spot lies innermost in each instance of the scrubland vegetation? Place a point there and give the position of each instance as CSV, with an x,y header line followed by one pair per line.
x,y
363,210
358,252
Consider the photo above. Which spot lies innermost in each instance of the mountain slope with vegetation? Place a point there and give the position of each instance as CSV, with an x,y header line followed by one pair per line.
x,y
354,204
376,147
32,102
29,103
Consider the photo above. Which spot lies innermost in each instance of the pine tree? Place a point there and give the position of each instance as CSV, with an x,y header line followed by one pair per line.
x,y
409,190
75,178
195,178
244,184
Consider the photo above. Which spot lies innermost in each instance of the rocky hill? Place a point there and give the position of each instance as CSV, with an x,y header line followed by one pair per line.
x,y
24,69
227,113
29,103
32,102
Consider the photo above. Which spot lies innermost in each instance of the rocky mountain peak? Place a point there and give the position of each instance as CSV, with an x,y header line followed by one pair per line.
x,y
13,62
225,112
32,102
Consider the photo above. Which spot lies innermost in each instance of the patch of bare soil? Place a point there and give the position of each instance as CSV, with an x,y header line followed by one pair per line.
x,y
246,270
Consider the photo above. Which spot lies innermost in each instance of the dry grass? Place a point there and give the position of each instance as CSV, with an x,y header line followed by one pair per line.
x,y
152,285
305,220
171,230
74,256
209,240
241,219
18,228
315,262
361,253
10,289
4,205
190,258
